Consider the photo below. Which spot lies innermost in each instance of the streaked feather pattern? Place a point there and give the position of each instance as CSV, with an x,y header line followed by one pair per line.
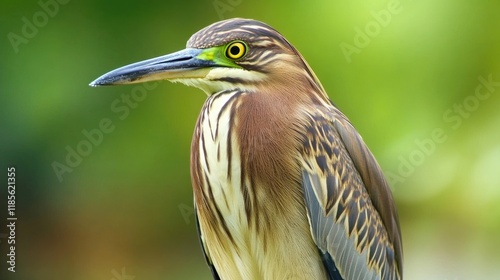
x,y
346,216
312,196
284,187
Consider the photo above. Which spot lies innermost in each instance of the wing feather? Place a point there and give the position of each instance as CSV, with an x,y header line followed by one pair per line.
x,y
353,219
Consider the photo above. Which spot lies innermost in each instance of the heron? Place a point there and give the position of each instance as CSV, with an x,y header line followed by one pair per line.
x,y
284,186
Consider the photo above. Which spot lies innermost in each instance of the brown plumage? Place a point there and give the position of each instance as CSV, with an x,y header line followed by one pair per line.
x,y
284,186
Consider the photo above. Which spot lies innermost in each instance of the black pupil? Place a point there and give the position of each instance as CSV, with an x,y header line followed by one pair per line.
x,y
234,50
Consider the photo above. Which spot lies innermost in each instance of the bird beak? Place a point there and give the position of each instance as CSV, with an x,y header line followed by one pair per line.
x,y
179,65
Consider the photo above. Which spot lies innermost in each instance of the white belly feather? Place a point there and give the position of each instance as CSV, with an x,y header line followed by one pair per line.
x,y
248,256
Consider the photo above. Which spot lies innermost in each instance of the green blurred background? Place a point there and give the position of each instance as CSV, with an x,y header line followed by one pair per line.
x,y
125,207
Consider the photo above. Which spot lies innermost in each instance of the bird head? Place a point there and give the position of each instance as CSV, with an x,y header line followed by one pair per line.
x,y
235,53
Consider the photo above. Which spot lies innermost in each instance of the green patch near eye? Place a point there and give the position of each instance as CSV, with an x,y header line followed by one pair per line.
x,y
217,55
208,54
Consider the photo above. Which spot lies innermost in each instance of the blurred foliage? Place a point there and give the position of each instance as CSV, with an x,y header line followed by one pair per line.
x,y
126,205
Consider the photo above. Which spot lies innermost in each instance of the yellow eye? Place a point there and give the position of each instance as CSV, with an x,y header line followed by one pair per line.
x,y
236,50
